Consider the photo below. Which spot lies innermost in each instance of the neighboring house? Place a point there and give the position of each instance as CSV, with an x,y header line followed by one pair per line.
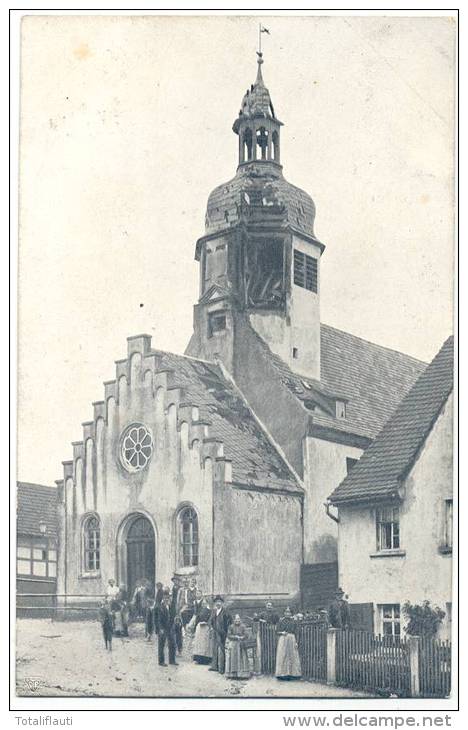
x,y
36,545
395,508
217,462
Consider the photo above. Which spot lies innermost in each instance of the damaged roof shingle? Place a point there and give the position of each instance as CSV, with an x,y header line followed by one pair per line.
x,y
254,458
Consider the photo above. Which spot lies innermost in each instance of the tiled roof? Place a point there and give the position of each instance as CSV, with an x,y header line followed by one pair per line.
x,y
254,459
259,188
387,461
371,379
36,502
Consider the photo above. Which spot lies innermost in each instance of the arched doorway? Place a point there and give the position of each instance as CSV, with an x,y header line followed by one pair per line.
x,y
139,552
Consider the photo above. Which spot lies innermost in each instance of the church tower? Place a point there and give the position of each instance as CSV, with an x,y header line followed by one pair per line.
x,y
259,258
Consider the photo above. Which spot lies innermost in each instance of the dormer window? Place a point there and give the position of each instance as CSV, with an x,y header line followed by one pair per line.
x,y
216,322
340,409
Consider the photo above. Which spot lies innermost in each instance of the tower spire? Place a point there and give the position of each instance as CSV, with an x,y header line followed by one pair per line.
x,y
259,79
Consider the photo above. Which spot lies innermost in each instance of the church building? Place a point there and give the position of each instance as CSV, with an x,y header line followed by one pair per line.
x,y
217,463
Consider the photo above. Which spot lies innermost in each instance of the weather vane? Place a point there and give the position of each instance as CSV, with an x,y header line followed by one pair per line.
x,y
261,29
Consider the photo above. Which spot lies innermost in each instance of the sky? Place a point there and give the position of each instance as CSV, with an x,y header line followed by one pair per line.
x,y
126,128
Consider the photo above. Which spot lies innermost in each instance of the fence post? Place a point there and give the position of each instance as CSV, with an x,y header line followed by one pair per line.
x,y
414,665
331,656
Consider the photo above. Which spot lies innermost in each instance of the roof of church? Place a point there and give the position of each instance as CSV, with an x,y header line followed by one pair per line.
x,y
387,461
369,378
36,502
257,186
254,458
256,101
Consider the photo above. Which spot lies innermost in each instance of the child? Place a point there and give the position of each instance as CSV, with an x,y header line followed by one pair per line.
x,y
107,623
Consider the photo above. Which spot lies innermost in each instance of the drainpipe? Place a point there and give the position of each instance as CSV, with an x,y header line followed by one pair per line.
x,y
327,506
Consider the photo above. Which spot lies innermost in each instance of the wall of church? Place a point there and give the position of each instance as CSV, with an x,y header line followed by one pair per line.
x,y
274,404
184,470
295,336
264,531
422,568
325,468
304,311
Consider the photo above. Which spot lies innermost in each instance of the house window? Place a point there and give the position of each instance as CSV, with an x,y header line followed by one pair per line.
x,y
216,322
388,528
350,463
305,271
188,532
91,544
340,409
448,524
35,558
390,619
295,353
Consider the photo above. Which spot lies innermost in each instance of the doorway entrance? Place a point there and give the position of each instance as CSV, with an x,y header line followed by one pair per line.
x,y
140,546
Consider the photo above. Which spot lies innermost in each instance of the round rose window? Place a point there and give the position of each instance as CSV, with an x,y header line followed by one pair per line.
x,y
136,447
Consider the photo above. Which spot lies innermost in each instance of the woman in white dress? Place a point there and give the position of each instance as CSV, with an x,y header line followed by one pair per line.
x,y
202,647
288,663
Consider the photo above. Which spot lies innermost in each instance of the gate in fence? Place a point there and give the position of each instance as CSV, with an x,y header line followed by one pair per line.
x,y
435,667
312,646
374,663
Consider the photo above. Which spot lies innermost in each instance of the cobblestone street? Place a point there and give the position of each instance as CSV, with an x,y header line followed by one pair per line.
x,y
69,659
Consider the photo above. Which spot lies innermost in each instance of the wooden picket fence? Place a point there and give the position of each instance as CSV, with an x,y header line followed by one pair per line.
x,y
435,667
312,646
374,663
268,643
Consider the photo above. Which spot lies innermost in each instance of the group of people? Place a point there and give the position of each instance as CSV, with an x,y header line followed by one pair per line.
x,y
216,638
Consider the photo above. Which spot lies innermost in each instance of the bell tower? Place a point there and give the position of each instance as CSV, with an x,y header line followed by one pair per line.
x,y
259,258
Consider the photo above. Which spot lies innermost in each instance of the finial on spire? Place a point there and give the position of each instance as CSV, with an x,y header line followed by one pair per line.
x,y
259,79
261,29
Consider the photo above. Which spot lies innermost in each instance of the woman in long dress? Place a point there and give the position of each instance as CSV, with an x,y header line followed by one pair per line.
x,y
288,663
202,647
237,660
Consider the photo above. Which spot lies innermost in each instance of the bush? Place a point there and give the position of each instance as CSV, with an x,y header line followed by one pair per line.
x,y
422,620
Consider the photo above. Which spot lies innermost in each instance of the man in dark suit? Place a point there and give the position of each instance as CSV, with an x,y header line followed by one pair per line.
x,y
159,593
219,622
176,618
164,628
338,611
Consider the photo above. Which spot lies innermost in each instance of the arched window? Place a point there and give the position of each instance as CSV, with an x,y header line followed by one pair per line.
x,y
188,537
91,544
248,144
275,140
262,141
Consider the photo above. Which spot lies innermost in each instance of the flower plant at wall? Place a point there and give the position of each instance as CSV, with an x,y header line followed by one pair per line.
x,y
423,619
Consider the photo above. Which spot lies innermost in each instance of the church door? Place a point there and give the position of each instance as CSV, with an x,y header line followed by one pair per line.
x,y
140,553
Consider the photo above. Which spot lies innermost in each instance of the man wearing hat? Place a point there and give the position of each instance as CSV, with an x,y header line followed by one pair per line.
x,y
164,629
338,612
219,622
176,618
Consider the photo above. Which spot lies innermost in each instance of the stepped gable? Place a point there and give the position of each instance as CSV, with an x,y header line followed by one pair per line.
x,y
370,379
217,414
254,458
386,463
